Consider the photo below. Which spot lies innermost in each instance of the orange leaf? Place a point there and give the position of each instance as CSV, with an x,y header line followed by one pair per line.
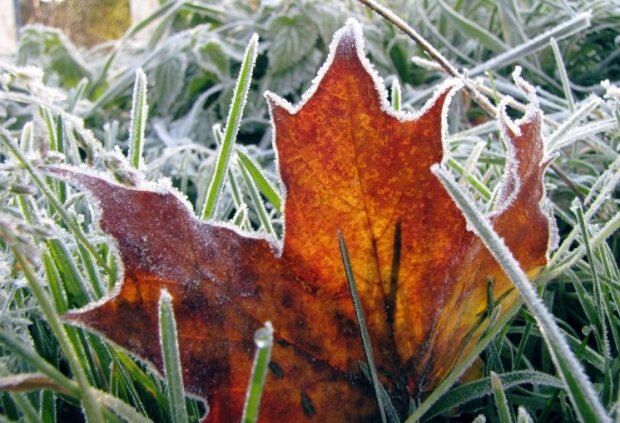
x,y
351,163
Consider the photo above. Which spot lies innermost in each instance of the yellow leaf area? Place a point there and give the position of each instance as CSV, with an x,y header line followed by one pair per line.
x,y
348,162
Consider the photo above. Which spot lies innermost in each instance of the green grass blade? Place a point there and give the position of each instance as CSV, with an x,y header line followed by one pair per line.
x,y
563,75
47,408
480,388
396,95
598,295
501,402
172,359
25,406
359,311
263,184
139,113
580,391
232,127
523,416
258,202
263,338
480,188
122,409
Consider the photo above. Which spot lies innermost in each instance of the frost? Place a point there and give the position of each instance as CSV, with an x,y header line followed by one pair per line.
x,y
612,91
263,337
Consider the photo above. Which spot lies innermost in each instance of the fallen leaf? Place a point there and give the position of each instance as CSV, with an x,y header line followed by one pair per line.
x,y
348,162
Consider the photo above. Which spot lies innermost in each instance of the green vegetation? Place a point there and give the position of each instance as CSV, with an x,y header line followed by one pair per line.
x,y
75,107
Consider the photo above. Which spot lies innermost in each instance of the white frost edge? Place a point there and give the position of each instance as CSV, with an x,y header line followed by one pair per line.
x,y
353,27
507,125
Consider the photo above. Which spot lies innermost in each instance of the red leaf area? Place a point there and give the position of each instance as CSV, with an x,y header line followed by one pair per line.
x,y
348,162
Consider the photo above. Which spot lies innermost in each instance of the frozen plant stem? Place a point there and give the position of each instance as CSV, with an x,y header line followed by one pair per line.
x,y
581,392
139,113
232,127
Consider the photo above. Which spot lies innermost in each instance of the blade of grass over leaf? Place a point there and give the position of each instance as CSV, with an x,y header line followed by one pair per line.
x,y
139,113
232,127
171,358
258,202
359,312
263,184
581,392
263,339
501,402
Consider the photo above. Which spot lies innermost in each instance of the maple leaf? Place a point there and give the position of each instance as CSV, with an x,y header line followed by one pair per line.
x,y
348,162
